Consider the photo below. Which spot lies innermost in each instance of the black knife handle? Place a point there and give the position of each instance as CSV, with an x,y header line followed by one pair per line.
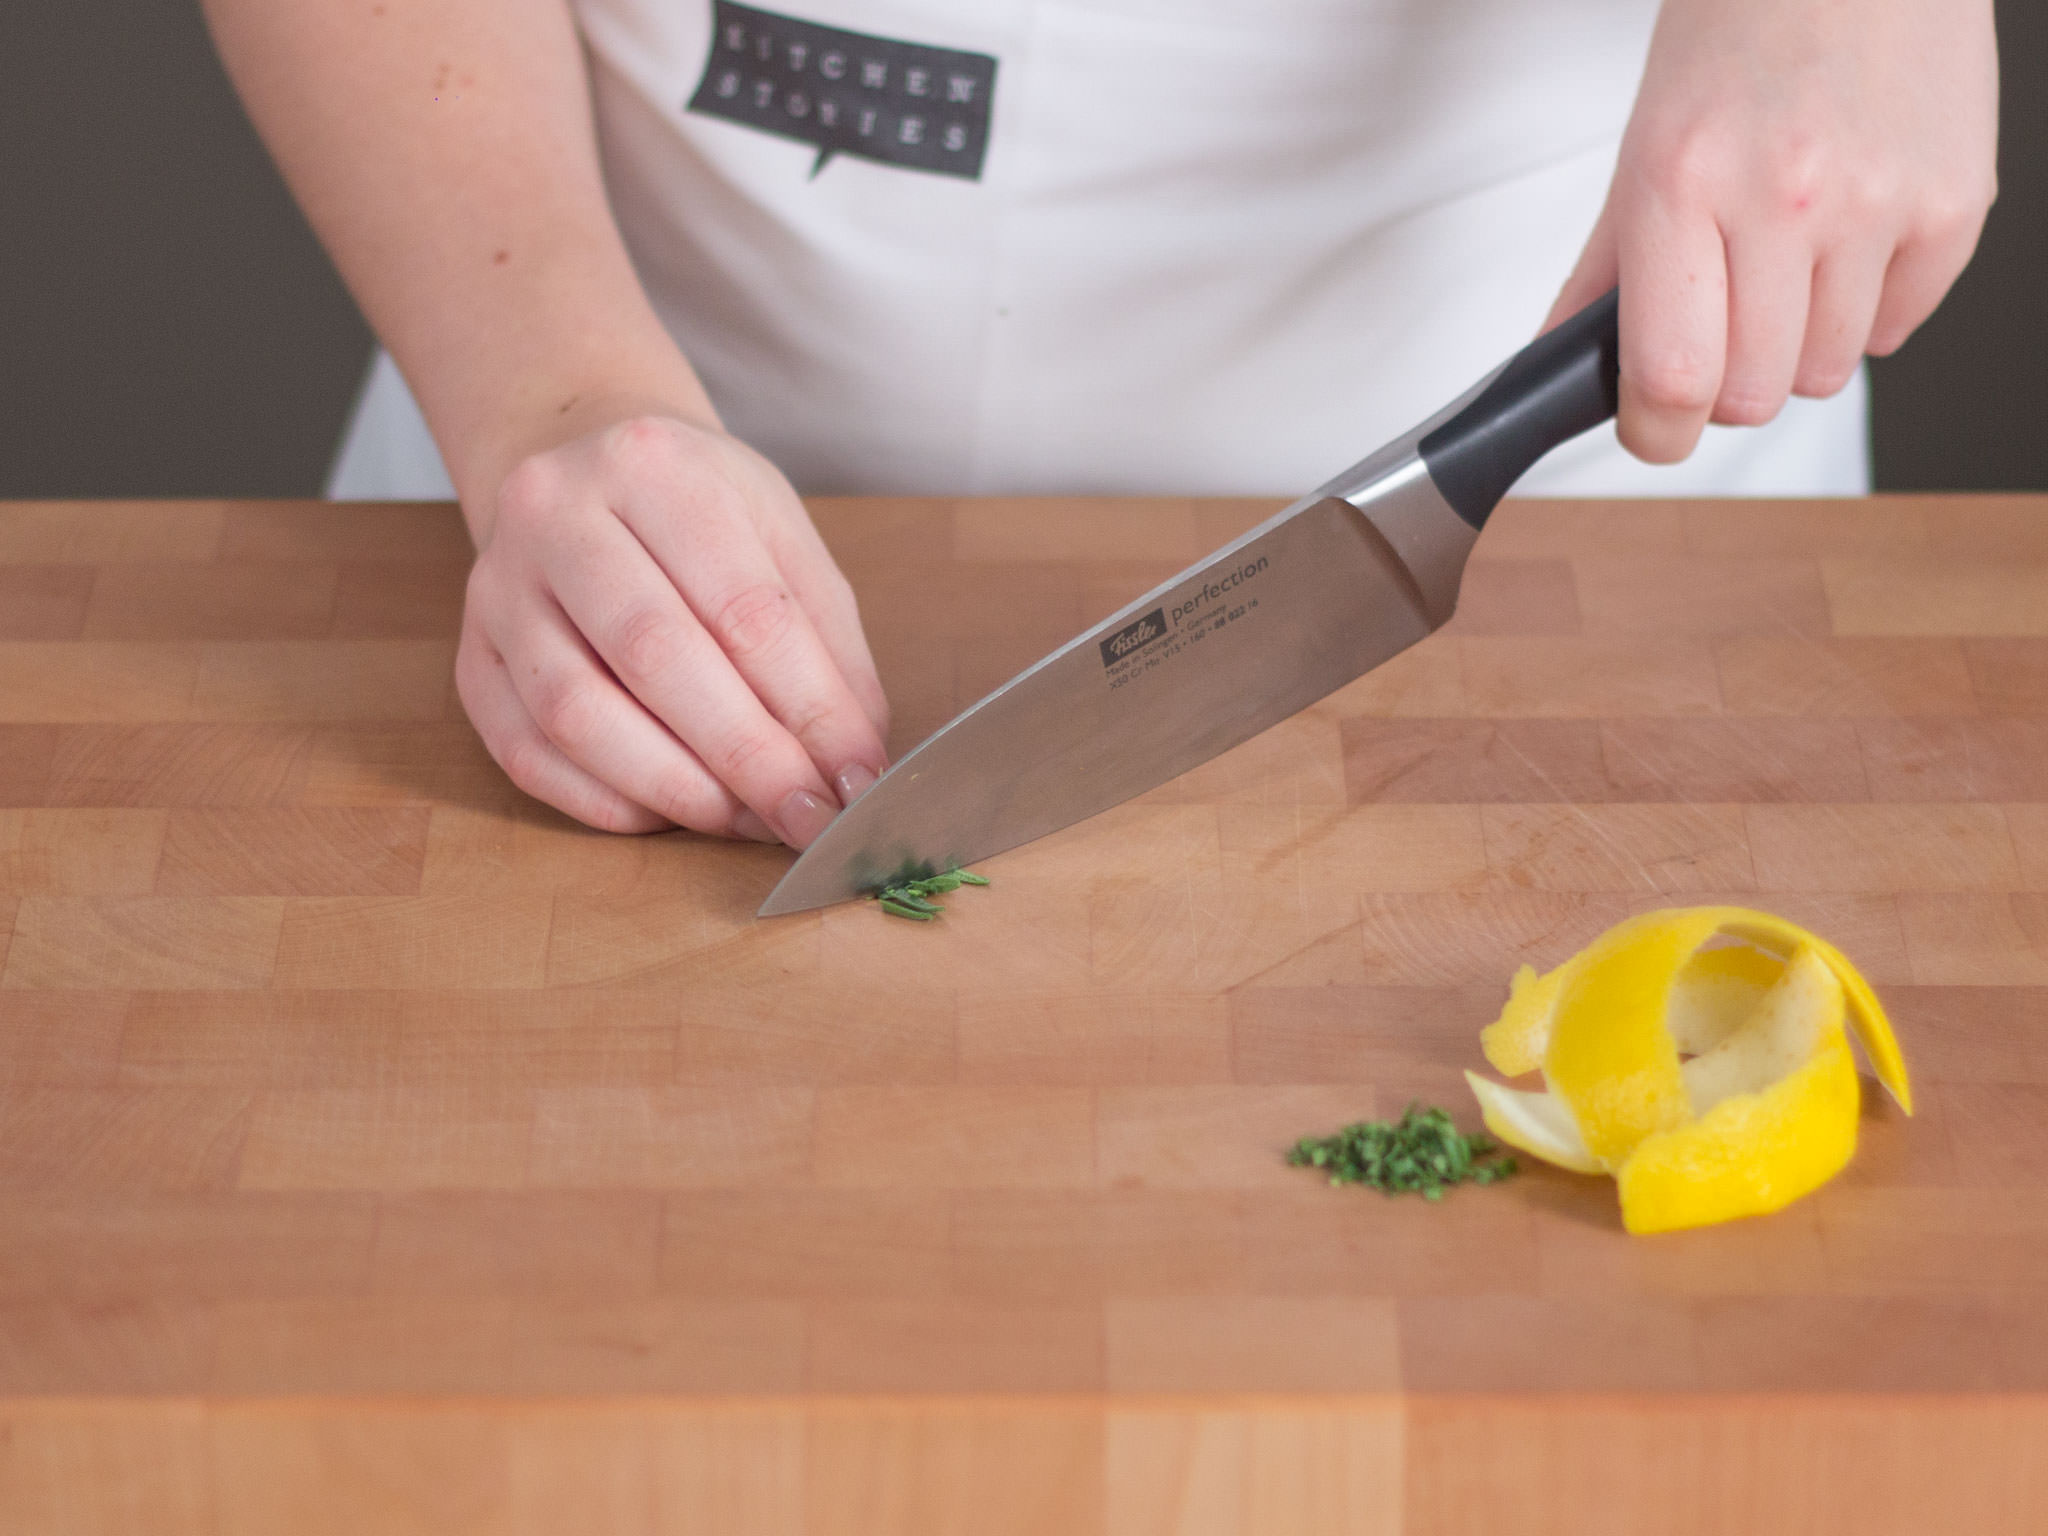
x,y
1561,384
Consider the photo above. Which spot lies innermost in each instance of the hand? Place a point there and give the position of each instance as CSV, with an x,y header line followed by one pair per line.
x,y
1799,184
655,635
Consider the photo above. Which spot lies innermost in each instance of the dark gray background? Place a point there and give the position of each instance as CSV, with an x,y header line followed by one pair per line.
x,y
169,327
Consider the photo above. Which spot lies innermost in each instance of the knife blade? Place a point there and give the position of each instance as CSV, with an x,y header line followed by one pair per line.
x,y
1350,575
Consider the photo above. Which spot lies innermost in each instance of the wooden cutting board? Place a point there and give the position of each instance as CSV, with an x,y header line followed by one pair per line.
x,y
381,1152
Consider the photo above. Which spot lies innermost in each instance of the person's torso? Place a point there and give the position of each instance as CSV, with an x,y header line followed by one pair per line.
x,y
1179,246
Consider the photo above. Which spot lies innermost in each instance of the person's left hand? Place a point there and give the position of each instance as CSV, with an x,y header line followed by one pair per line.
x,y
1799,184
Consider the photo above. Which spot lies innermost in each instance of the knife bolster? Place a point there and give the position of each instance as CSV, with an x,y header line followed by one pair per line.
x,y
1563,383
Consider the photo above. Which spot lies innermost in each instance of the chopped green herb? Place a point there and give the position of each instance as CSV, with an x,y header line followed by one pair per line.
x,y
1423,1151
910,893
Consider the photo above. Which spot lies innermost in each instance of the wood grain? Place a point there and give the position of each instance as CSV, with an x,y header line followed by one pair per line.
x,y
382,1152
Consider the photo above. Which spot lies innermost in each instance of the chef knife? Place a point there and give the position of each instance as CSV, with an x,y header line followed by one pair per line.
x,y
1350,575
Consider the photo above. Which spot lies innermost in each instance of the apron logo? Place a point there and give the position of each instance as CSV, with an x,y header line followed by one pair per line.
x,y
848,93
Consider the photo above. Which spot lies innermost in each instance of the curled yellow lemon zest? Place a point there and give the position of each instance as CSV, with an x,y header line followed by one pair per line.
x,y
1515,1042
1700,1055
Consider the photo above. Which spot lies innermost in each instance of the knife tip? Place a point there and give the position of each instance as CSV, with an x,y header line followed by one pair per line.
x,y
777,905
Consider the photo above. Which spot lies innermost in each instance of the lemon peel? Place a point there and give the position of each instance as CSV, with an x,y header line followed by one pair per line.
x,y
1867,1019
1611,1056
1719,987
1747,1156
1515,1042
1537,1123
1701,1055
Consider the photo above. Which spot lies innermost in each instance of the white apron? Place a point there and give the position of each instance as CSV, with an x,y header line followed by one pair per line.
x,y
1215,247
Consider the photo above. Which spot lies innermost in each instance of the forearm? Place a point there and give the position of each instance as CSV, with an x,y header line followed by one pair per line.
x,y
444,152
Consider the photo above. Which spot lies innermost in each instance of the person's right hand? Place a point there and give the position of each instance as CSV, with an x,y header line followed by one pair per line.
x,y
655,636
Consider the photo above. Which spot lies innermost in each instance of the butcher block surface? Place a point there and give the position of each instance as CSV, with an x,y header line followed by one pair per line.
x,y
381,1151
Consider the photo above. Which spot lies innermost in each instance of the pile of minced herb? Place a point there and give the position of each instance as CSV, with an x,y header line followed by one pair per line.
x,y
910,895
1423,1151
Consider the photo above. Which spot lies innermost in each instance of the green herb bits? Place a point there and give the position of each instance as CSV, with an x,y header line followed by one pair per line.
x,y
910,896
1424,1151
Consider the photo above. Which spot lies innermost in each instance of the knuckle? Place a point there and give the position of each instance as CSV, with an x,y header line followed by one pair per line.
x,y
1675,382
1821,384
1868,189
1799,173
647,645
1746,408
1970,197
480,591
531,765
527,762
739,754
1653,446
1691,170
479,669
530,490
1951,217
755,618
614,813
566,710
809,719
693,807
638,447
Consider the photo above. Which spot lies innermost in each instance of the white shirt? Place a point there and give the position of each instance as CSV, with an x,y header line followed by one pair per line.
x,y
1216,247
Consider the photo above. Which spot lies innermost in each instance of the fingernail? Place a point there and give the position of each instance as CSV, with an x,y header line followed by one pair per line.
x,y
803,817
854,780
748,825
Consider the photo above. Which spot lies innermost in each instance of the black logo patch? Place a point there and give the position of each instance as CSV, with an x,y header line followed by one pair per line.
x,y
848,93
1134,637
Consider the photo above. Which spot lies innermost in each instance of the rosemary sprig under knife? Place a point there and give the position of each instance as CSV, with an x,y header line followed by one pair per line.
x,y
911,897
